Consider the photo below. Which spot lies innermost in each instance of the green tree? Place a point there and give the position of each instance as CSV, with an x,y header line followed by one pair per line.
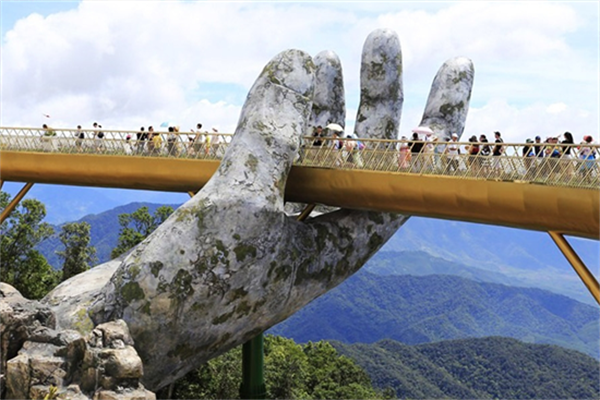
x,y
220,378
332,376
20,264
292,371
78,255
136,226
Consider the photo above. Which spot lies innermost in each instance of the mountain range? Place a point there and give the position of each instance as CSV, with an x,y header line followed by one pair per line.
x,y
367,308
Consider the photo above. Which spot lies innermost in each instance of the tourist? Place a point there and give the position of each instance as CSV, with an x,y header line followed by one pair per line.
x,y
484,152
172,142
428,149
156,143
318,134
587,156
528,154
485,149
416,148
79,135
150,145
453,153
197,141
568,153
473,151
404,154
98,136
552,154
141,137
497,151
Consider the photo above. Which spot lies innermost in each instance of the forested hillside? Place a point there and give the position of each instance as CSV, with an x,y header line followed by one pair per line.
x,y
413,310
484,368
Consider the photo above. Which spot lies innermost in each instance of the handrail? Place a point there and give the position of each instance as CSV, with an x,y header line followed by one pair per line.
x,y
563,168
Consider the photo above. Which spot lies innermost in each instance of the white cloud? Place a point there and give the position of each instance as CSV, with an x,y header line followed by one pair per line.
x,y
520,123
556,108
129,64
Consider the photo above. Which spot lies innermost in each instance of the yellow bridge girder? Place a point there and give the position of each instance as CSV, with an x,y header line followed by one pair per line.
x,y
565,210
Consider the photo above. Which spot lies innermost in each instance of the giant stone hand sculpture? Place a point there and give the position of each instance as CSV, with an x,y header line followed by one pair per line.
x,y
229,263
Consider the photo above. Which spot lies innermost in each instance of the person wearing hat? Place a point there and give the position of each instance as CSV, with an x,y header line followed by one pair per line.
x,y
453,152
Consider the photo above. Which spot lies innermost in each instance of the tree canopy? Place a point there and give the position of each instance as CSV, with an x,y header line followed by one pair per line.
x,y
136,226
20,264
292,371
78,255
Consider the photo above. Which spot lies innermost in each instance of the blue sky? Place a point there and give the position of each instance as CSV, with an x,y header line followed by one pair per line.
x,y
132,63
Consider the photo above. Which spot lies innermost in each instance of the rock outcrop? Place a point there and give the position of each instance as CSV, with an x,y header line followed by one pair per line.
x,y
38,359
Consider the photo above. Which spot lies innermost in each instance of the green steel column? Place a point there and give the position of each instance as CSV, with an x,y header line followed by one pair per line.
x,y
253,383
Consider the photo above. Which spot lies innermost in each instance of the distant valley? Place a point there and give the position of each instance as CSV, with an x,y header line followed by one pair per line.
x,y
367,308
486,368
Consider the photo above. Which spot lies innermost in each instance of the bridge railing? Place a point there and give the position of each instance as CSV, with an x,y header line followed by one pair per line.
x,y
575,165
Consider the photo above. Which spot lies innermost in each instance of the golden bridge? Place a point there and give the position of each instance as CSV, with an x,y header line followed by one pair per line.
x,y
555,194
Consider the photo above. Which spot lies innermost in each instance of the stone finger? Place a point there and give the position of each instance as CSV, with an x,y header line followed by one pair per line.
x,y
449,97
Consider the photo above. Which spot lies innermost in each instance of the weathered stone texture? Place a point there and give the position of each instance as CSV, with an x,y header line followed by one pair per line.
x,y
329,101
229,263
448,102
100,365
381,91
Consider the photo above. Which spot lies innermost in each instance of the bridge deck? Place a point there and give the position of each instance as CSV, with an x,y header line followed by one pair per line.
x,y
550,195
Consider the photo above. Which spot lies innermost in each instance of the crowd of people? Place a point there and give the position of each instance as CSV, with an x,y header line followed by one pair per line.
x,y
565,155
426,152
423,152
148,141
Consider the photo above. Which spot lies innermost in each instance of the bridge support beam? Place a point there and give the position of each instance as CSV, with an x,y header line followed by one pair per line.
x,y
6,212
253,382
584,273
